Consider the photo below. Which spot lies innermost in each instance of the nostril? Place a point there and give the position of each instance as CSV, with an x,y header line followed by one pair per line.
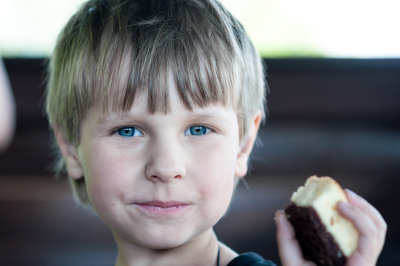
x,y
178,177
165,178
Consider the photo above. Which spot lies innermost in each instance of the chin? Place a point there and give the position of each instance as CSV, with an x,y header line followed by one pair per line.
x,y
169,240
163,243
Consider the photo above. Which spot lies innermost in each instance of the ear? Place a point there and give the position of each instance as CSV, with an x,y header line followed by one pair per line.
x,y
247,146
69,153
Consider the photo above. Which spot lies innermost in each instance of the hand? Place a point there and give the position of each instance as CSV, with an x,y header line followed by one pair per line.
x,y
367,220
370,225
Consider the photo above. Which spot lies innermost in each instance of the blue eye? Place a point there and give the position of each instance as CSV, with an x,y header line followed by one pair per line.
x,y
197,131
128,132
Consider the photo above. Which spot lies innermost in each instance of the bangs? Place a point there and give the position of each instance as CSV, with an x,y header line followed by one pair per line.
x,y
144,58
199,77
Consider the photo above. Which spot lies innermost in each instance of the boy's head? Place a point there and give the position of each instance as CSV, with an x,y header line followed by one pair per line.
x,y
113,50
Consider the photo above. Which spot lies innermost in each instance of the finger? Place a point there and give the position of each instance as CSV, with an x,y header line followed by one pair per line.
x,y
289,248
371,233
362,208
361,221
367,208
367,248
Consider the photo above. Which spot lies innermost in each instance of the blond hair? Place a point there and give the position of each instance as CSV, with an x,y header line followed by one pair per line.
x,y
112,50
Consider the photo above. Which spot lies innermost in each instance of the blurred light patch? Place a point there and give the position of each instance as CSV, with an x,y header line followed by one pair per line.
x,y
279,28
29,28
341,28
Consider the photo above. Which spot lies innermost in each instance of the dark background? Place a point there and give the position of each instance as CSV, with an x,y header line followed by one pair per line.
x,y
337,117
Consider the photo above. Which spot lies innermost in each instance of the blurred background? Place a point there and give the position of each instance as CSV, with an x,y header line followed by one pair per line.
x,y
334,73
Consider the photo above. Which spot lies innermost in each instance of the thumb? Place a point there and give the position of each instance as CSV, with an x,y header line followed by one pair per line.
x,y
289,248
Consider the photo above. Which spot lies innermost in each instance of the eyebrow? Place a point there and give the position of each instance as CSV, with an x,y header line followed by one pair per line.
x,y
128,116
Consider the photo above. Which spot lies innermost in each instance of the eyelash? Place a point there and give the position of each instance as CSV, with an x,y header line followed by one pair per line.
x,y
192,130
129,131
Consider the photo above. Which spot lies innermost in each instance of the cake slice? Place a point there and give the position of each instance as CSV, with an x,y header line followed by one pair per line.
x,y
325,237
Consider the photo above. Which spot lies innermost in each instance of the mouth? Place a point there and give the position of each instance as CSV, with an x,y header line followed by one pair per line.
x,y
163,208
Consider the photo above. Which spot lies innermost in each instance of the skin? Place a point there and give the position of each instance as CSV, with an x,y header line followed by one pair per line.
x,y
7,110
366,219
157,185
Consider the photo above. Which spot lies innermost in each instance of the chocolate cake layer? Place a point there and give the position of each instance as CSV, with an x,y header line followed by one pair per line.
x,y
316,242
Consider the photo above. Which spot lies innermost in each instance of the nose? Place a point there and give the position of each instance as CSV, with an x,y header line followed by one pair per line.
x,y
166,162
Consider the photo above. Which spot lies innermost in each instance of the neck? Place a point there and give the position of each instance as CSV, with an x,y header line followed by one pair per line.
x,y
201,250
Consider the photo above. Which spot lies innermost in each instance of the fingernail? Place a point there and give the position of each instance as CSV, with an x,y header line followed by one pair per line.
x,y
278,215
351,193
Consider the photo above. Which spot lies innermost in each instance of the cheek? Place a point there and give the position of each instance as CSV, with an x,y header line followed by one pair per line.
x,y
105,175
215,175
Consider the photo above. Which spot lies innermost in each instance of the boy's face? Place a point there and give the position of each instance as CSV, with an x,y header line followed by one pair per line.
x,y
160,180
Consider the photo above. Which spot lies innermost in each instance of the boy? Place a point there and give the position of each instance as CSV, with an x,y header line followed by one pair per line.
x,y
155,106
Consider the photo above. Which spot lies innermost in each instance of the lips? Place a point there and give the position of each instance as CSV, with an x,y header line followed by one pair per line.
x,y
162,204
163,208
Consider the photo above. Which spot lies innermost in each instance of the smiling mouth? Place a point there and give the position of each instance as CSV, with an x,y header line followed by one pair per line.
x,y
161,208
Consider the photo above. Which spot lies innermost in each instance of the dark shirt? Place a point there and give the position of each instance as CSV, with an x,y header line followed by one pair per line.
x,y
250,259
